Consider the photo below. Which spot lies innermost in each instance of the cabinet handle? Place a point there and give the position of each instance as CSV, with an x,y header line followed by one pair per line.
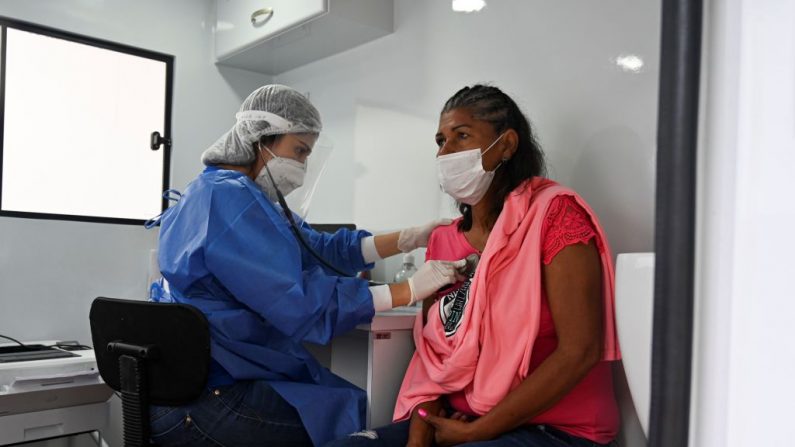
x,y
261,12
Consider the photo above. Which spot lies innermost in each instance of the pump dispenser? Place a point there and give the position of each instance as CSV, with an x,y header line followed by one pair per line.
x,y
407,270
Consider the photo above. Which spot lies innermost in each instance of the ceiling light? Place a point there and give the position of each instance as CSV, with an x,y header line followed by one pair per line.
x,y
468,5
630,63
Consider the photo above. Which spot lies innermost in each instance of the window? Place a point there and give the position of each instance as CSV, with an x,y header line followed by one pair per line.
x,y
76,116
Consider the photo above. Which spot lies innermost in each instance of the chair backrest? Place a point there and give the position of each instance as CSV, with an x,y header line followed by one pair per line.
x,y
634,316
153,353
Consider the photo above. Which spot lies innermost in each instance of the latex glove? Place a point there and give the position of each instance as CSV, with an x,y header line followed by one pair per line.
x,y
434,275
414,237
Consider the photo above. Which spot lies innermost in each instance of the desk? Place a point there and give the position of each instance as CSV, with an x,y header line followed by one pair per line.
x,y
49,398
374,357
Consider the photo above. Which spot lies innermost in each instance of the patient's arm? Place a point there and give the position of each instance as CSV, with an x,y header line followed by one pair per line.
x,y
573,282
420,432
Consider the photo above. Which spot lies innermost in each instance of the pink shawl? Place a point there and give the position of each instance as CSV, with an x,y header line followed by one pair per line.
x,y
489,355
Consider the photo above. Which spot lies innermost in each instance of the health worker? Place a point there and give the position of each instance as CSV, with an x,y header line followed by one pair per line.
x,y
227,247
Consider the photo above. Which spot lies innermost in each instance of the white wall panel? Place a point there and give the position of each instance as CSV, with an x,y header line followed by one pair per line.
x,y
745,358
585,73
51,270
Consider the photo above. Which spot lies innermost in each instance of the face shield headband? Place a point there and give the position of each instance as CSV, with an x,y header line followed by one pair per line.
x,y
277,123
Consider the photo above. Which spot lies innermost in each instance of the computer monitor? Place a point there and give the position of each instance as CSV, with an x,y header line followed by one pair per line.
x,y
332,227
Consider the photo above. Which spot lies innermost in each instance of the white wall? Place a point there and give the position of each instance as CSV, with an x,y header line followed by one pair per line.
x,y
596,122
558,60
380,104
51,270
744,355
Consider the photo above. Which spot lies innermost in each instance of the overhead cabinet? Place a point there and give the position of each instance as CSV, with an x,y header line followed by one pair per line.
x,y
274,36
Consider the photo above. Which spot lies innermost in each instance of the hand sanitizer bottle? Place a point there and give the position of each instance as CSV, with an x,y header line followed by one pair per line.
x,y
407,270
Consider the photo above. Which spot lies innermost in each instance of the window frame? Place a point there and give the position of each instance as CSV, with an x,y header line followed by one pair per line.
x,y
5,24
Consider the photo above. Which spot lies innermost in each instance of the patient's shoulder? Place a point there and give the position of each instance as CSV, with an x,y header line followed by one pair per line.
x,y
566,223
447,243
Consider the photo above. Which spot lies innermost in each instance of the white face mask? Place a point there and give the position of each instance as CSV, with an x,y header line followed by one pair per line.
x,y
288,173
462,176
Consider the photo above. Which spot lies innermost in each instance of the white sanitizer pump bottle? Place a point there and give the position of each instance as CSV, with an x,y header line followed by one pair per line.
x,y
407,270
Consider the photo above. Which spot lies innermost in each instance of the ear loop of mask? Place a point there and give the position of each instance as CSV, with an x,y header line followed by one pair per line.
x,y
293,226
504,159
269,151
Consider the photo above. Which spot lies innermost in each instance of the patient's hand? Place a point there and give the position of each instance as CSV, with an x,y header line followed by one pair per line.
x,y
452,430
420,432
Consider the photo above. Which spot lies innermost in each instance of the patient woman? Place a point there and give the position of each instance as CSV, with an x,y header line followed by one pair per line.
x,y
520,353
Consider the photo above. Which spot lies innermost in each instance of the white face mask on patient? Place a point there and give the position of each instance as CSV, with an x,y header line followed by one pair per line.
x,y
461,175
288,173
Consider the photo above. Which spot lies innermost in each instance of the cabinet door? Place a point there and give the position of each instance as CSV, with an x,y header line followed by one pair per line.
x,y
235,31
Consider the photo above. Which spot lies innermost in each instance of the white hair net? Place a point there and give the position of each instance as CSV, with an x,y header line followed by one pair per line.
x,y
269,110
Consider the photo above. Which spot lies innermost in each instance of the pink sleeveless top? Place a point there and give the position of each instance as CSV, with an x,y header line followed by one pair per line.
x,y
589,410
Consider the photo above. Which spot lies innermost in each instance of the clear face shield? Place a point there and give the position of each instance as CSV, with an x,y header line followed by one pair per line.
x,y
301,198
298,200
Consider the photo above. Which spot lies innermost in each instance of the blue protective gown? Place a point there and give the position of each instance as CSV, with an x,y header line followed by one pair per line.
x,y
227,250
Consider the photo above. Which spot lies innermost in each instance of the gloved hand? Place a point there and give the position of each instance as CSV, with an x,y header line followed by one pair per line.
x,y
411,238
432,276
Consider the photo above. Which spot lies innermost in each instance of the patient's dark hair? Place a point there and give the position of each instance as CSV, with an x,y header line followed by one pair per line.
x,y
490,104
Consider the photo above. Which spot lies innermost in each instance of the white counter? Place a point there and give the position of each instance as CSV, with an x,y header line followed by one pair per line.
x,y
374,357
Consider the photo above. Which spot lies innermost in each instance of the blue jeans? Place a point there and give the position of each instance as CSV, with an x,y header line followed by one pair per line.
x,y
397,435
247,413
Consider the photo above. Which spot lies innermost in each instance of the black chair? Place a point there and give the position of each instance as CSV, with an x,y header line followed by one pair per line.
x,y
152,353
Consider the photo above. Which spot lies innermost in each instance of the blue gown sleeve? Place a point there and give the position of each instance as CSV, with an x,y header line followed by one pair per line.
x,y
343,248
253,254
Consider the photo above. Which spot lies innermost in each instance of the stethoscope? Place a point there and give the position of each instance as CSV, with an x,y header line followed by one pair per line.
x,y
175,196
297,231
